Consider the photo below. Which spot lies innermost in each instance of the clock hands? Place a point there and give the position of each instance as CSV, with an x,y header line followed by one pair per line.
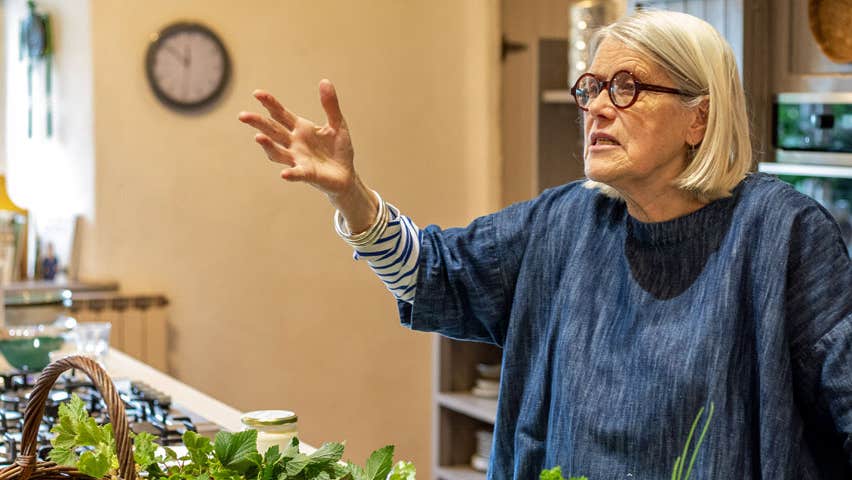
x,y
187,57
174,51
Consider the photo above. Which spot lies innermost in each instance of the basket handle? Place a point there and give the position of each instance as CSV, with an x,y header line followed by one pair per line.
x,y
115,408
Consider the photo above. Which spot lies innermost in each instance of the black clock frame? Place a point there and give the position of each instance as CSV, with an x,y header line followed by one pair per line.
x,y
151,56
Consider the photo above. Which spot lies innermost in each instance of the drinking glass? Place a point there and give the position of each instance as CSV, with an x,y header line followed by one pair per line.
x,y
92,339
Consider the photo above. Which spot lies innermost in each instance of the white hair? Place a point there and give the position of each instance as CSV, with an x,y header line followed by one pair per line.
x,y
701,63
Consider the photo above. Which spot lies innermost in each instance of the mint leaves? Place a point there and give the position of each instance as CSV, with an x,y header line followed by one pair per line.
x,y
555,473
235,451
230,456
402,471
379,467
292,464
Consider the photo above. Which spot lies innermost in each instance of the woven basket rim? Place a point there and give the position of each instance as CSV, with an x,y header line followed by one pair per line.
x,y
27,466
829,22
46,470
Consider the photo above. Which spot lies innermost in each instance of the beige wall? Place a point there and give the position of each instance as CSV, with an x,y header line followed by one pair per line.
x,y
269,310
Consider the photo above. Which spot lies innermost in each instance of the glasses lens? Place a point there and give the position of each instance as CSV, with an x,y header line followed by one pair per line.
x,y
622,89
586,89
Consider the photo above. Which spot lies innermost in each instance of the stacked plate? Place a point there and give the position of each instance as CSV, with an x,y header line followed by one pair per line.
x,y
479,460
488,383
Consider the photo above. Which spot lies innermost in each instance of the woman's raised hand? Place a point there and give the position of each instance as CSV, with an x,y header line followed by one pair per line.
x,y
321,156
318,155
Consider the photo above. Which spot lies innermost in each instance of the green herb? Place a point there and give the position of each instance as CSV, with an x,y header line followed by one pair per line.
x,y
77,429
555,473
403,471
677,472
144,450
236,451
379,464
230,456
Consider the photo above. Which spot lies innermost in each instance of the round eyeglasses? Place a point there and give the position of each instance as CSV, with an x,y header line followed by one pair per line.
x,y
623,89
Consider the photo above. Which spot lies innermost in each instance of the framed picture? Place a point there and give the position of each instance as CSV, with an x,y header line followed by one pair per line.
x,y
56,247
13,246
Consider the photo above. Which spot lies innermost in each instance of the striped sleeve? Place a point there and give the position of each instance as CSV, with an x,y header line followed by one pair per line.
x,y
394,257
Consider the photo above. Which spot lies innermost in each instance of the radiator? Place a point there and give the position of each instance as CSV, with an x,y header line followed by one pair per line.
x,y
139,322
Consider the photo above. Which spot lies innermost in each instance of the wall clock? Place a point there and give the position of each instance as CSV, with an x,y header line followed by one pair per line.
x,y
187,66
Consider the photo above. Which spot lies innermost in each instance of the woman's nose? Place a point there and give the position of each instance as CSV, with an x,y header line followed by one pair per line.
x,y
600,103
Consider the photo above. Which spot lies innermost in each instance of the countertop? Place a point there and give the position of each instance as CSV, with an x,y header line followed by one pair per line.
x,y
121,366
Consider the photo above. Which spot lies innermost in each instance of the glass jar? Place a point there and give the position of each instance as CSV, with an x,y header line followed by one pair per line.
x,y
274,427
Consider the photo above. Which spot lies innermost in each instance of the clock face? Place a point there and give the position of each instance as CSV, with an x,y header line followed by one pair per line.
x,y
187,66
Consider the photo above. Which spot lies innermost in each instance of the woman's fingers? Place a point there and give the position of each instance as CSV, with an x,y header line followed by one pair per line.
x,y
270,127
275,109
319,156
294,174
330,103
274,151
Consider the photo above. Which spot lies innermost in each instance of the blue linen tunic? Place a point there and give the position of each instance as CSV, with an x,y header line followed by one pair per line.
x,y
616,332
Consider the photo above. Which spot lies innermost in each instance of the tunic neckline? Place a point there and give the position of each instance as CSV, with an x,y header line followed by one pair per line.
x,y
678,230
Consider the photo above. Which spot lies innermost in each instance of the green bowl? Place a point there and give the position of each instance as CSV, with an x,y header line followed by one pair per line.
x,y
29,353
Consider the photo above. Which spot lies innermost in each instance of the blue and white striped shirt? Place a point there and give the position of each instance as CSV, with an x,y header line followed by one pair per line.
x,y
394,256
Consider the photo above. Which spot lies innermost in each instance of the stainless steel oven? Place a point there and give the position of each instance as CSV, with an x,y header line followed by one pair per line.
x,y
814,128
813,150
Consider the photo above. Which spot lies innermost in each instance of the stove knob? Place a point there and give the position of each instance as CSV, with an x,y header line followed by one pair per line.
x,y
44,452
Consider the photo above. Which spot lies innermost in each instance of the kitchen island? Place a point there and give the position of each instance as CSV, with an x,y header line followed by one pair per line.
x,y
205,410
121,366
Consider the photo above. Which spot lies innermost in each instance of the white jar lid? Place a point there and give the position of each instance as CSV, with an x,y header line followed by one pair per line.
x,y
268,417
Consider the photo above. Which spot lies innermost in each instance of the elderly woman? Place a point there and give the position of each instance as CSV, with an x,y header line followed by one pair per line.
x,y
671,279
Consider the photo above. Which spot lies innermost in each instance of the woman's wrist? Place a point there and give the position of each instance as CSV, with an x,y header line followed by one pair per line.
x,y
358,205
369,236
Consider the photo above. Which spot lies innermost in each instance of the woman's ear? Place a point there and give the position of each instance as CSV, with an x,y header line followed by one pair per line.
x,y
698,126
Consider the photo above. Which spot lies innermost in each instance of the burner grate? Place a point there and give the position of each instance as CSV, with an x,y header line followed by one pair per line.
x,y
147,409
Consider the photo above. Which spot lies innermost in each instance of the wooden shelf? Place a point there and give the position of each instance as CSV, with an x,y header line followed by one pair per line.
x,y
459,472
805,170
483,409
557,96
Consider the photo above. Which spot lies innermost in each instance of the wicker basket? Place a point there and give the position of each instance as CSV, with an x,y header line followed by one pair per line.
x,y
28,467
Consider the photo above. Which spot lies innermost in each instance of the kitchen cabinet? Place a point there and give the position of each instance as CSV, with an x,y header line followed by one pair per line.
x,y
458,413
798,64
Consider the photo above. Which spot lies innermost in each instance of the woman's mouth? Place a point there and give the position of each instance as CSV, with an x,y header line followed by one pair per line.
x,y
602,141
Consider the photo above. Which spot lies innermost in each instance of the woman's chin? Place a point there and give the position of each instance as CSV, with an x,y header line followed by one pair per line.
x,y
599,173
602,166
